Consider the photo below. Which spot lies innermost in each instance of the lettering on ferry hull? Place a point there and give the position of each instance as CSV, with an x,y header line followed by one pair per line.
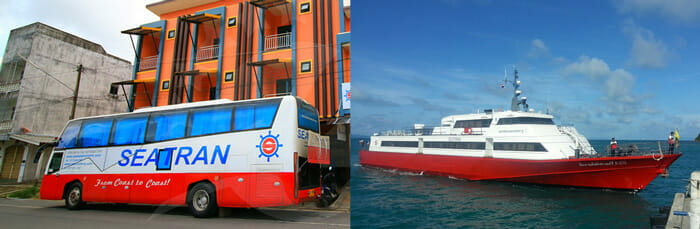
x,y
609,163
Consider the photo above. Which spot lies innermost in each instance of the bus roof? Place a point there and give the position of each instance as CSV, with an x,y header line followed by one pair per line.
x,y
184,105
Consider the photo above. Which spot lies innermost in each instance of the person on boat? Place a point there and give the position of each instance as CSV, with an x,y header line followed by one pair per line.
x,y
613,146
671,142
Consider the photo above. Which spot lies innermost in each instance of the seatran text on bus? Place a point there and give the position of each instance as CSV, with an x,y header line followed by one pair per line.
x,y
185,154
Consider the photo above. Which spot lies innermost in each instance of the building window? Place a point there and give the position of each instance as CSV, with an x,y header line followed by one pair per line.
x,y
113,89
171,34
166,85
305,67
228,77
283,86
400,144
304,7
231,22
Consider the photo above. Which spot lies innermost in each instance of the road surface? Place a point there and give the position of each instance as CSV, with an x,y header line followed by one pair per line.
x,y
18,213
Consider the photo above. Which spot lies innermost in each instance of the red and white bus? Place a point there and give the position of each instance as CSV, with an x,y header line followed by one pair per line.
x,y
205,155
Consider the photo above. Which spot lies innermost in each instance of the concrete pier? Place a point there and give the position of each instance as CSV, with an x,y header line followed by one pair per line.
x,y
685,211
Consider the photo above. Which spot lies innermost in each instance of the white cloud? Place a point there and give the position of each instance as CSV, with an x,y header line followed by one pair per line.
x,y
97,21
675,11
617,87
538,49
647,51
591,67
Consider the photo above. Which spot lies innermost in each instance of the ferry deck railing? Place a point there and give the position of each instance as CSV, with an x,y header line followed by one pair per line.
x,y
637,149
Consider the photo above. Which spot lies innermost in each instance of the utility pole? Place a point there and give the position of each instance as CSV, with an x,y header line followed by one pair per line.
x,y
75,92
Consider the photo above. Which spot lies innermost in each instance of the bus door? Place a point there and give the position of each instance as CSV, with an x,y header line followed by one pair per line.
x,y
309,167
49,184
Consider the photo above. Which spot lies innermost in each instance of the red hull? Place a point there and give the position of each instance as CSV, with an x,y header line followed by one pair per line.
x,y
232,189
633,172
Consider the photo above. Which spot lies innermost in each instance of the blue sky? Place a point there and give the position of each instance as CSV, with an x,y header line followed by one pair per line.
x,y
626,69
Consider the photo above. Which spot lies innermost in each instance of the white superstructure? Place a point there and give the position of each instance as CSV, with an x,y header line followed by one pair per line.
x,y
510,134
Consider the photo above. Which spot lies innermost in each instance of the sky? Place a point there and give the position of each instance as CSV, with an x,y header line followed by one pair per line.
x,y
626,69
97,21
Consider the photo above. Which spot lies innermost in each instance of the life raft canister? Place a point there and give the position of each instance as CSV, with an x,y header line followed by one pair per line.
x,y
468,131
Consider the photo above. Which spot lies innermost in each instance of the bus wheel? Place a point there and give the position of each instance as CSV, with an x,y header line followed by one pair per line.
x,y
74,197
202,200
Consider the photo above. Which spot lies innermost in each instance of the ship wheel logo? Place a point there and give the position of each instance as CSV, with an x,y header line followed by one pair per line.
x,y
347,95
269,145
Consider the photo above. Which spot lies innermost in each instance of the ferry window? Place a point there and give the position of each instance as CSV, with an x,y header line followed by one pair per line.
x,y
264,114
166,126
130,130
400,144
244,117
308,117
164,158
455,145
525,120
95,132
478,123
519,146
69,138
210,121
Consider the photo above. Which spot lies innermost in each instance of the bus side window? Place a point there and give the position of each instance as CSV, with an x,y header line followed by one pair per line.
x,y
130,130
164,158
166,126
264,114
95,132
69,138
210,121
244,117
55,164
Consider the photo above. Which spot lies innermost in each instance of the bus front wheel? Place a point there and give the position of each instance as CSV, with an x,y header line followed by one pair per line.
x,y
74,197
202,200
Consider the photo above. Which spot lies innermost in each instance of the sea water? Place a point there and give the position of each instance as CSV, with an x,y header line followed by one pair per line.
x,y
389,198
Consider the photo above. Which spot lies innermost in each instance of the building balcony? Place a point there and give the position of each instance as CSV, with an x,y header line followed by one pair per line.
x,y
5,125
148,63
278,41
207,53
9,87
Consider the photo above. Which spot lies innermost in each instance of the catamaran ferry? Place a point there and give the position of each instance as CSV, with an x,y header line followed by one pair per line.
x,y
518,146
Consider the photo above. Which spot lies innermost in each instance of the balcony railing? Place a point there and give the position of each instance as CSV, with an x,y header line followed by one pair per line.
x,y
148,63
5,125
278,41
9,87
208,52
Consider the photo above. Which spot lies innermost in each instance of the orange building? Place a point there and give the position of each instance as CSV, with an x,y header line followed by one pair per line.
x,y
235,49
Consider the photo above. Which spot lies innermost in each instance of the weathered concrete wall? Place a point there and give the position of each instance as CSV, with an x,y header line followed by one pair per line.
x,y
44,105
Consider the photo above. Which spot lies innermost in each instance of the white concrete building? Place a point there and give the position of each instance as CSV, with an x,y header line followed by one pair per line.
x,y
37,81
